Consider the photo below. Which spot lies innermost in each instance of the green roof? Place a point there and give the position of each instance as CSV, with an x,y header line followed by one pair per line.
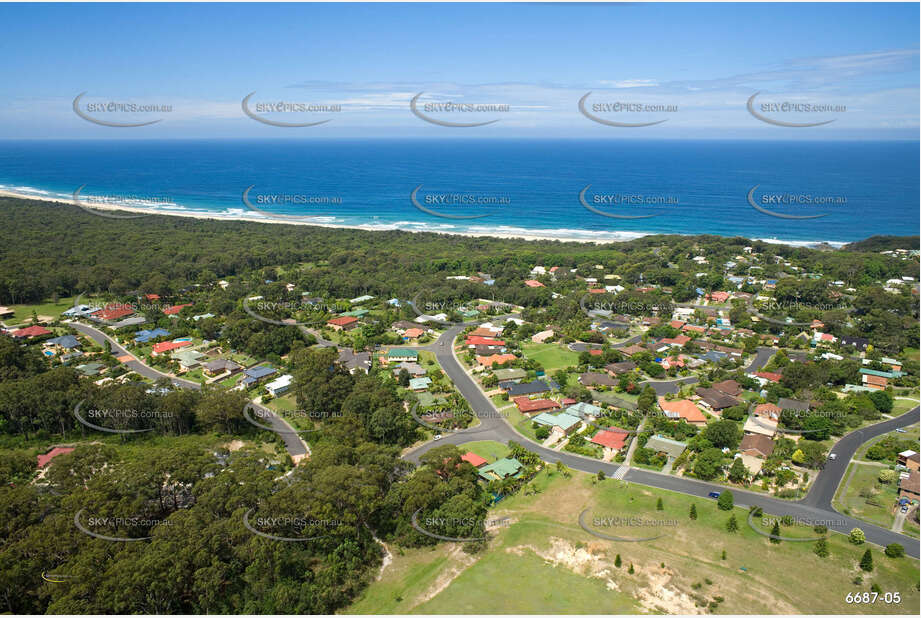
x,y
502,468
881,374
661,444
90,369
563,421
510,374
402,353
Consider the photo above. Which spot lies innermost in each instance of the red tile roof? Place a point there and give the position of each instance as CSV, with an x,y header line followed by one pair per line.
x,y
534,405
533,283
679,340
595,352
58,450
684,409
166,346
152,296
610,439
676,324
31,331
343,321
719,297
484,341
489,361
175,309
113,312
474,460
768,375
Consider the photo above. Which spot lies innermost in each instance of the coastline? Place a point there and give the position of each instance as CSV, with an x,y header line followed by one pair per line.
x,y
258,218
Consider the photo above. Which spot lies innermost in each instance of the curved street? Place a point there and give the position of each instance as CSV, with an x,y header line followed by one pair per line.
x,y
494,426
293,444
815,506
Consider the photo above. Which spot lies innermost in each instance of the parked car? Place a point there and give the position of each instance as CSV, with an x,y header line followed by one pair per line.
x,y
437,436
833,457
900,430
904,508
713,494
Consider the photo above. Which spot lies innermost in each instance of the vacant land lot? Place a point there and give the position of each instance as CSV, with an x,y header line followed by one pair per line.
x,y
551,356
545,562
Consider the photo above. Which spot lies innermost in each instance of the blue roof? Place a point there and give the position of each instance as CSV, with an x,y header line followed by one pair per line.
x,y
65,341
143,336
260,372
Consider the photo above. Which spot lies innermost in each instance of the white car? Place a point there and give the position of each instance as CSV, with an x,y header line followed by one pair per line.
x,y
833,457
437,436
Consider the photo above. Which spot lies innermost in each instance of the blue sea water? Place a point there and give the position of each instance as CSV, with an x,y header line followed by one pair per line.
x,y
522,186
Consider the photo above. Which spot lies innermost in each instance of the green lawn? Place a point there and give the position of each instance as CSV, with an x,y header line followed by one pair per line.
x,y
863,479
487,449
544,562
552,356
24,312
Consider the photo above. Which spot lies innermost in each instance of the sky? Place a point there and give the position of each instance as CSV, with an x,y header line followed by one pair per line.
x,y
689,68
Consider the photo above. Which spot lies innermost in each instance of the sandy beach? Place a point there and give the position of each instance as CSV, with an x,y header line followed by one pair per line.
x,y
258,218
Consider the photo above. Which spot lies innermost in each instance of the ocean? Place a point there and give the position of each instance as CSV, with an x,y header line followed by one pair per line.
x,y
567,189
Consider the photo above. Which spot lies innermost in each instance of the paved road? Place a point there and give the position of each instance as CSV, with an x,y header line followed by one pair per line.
x,y
761,359
662,387
815,507
293,444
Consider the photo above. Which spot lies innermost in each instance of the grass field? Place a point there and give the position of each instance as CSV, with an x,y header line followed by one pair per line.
x,y
552,356
544,562
24,312
863,478
487,449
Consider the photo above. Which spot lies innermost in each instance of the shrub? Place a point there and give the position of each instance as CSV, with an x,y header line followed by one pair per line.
x,y
866,561
857,537
895,550
725,501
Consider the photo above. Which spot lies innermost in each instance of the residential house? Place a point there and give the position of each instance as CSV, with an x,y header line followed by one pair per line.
x,y
280,385
683,409
585,411
665,446
357,361
763,420
143,336
596,379
419,384
618,369
220,366
756,445
495,359
516,389
909,459
254,375
501,469
908,486
611,440
188,359
860,343
30,332
529,406
474,460
168,346
715,400
175,309
730,387
65,342
90,369
510,375
402,355
533,283
414,369
793,404
562,423
542,336
112,312
346,322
